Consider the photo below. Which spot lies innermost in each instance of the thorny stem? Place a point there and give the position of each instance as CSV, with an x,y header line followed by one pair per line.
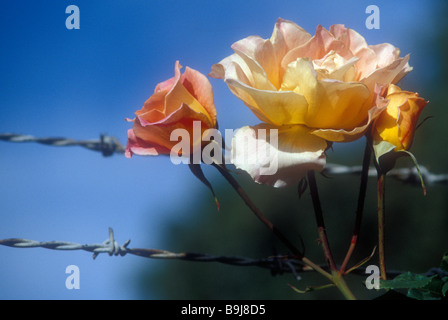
x,y
257,212
381,223
269,224
320,220
336,277
360,208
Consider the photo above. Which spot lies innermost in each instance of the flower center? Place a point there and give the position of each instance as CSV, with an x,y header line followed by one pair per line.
x,y
333,66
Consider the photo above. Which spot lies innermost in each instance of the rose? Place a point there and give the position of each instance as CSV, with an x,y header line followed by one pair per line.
x,y
397,124
393,131
175,104
324,82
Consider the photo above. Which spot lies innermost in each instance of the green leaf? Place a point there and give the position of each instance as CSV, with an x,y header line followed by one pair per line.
x,y
419,294
444,262
418,169
393,295
384,155
445,289
422,287
407,280
432,291
310,289
363,261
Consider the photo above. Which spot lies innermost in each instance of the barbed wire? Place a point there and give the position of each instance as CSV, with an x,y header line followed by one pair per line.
x,y
277,264
406,175
109,145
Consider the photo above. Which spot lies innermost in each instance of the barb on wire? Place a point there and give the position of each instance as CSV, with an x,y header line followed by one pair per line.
x,y
107,145
109,246
276,264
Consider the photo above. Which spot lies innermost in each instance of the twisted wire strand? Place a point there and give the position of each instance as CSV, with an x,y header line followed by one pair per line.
x,y
277,265
109,246
108,146
406,175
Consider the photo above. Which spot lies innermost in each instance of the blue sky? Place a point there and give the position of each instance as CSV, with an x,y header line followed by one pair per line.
x,y
83,83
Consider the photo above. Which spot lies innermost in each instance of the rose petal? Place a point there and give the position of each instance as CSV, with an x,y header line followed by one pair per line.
x,y
259,65
268,53
366,63
331,104
142,148
351,39
277,162
276,107
158,135
333,66
179,95
288,35
392,73
317,47
385,53
200,88
153,109
342,135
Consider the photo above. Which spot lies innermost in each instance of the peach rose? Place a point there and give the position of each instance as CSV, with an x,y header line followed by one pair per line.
x,y
396,125
175,104
324,82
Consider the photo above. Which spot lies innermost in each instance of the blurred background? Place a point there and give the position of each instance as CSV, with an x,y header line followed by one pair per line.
x,y
78,84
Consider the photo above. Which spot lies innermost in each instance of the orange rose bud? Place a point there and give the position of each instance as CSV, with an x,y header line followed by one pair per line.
x,y
397,123
176,103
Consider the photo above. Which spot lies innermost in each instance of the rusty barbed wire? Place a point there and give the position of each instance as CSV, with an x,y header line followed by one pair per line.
x,y
109,145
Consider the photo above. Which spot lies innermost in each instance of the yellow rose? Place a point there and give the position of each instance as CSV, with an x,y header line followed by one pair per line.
x,y
325,83
396,125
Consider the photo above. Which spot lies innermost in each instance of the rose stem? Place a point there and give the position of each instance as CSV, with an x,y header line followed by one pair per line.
x,y
360,208
299,255
381,223
336,276
320,220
